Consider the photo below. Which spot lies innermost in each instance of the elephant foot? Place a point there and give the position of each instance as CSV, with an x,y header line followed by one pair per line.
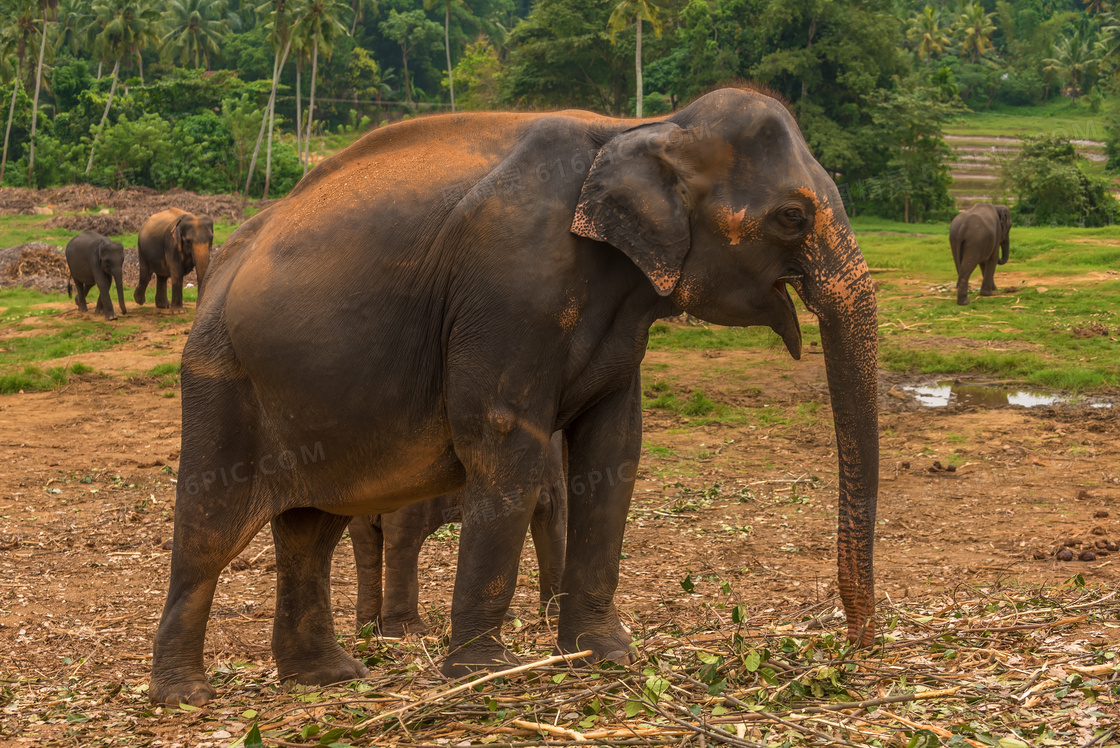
x,y
164,305
987,291
138,298
962,301
398,627
486,653
318,671
193,691
176,310
615,646
110,317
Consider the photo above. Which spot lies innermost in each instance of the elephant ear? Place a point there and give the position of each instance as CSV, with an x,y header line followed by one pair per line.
x,y
1004,219
175,233
633,199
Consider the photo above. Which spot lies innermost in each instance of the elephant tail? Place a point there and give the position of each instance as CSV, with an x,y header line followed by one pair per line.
x,y
69,288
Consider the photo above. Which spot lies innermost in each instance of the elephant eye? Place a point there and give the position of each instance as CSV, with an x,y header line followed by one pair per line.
x,y
793,217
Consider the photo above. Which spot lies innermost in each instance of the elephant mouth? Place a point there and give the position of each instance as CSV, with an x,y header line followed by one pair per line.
x,y
787,325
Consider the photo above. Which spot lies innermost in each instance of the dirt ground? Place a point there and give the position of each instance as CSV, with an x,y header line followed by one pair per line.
x,y
87,494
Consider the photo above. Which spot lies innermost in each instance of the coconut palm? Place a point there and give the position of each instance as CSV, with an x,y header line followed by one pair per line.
x,y
927,34
358,9
47,7
975,27
320,22
1074,57
1108,48
121,28
74,21
639,10
193,31
447,5
17,32
1096,7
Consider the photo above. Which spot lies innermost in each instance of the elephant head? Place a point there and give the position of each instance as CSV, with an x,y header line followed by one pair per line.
x,y
723,207
193,237
110,255
1004,214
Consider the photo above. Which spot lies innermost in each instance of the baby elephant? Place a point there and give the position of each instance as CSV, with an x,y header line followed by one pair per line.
x,y
96,260
980,236
389,545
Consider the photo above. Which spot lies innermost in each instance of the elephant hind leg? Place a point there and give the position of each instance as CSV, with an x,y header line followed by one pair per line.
x,y
142,284
988,287
303,640
369,542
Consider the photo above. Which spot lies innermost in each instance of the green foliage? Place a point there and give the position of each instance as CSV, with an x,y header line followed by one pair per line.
x,y
127,152
478,76
1052,188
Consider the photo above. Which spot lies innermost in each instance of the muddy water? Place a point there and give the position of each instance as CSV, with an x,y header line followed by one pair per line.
x,y
993,395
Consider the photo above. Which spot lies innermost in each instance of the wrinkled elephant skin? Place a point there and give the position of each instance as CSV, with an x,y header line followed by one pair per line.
x,y
96,260
980,236
171,244
387,546
454,290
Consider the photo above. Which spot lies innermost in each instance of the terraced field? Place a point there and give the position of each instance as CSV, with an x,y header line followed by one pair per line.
x,y
980,140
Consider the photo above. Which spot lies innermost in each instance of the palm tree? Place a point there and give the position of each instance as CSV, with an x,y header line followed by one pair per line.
x,y
320,21
1073,59
17,31
976,28
47,7
447,4
927,34
639,10
281,37
1096,7
195,29
358,8
122,28
74,22
1109,44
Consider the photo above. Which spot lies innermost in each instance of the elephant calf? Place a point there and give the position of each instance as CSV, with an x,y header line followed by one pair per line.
x,y
96,260
388,546
975,236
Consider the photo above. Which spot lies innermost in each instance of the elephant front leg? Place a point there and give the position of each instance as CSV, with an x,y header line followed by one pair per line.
x,y
368,541
176,294
303,640
498,501
603,449
105,299
161,292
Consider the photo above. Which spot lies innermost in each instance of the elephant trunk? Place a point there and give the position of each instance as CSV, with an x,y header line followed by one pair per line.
x,y
118,278
1004,251
201,262
843,298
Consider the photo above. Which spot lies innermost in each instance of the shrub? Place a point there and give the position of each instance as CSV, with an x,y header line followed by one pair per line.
x,y
1051,188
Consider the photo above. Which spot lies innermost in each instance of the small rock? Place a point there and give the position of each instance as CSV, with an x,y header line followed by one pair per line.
x,y
1111,546
104,212
1065,555
951,468
1098,530
1087,556
937,465
1100,514
1071,543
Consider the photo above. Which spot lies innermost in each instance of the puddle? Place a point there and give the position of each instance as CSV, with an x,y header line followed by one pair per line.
x,y
981,395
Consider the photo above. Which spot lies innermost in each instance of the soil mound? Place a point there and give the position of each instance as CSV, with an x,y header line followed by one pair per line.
x,y
36,265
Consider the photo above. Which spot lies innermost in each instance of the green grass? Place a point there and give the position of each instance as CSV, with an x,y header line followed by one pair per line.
x,y
22,229
31,378
1058,116
168,374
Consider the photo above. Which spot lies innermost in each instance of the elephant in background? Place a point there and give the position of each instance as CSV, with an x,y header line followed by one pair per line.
x,y
171,244
980,236
96,260
492,279
389,545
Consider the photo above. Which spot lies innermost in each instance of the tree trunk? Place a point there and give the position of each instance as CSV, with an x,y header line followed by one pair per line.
x,y
407,87
99,64
638,63
35,103
311,98
140,64
272,124
357,6
11,116
447,47
105,114
276,65
299,115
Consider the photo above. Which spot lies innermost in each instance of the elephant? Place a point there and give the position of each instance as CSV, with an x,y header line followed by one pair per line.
x,y
492,278
975,236
96,260
395,540
171,243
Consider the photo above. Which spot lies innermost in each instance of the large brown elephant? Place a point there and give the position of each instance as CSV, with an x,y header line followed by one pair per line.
x,y
387,549
172,243
980,236
454,290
